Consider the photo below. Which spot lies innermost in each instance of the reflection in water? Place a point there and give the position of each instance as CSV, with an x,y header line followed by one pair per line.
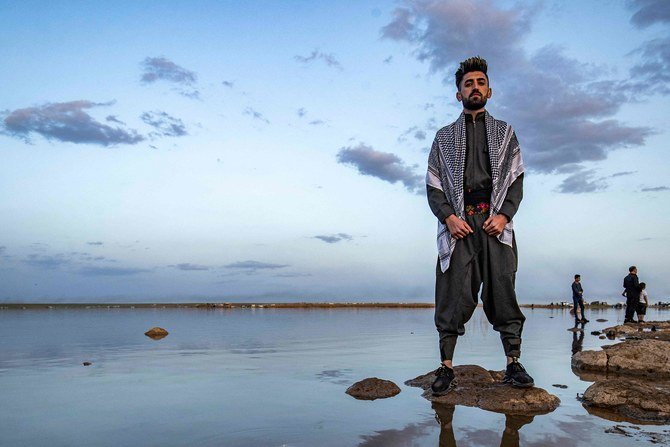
x,y
577,341
510,437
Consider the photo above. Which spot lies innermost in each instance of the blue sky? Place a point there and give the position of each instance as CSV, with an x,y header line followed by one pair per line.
x,y
276,151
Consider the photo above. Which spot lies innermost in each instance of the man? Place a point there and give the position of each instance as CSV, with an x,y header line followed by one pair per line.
x,y
578,300
632,286
474,187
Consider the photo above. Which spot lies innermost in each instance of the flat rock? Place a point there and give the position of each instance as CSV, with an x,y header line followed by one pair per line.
x,y
373,388
642,358
484,389
156,333
601,320
656,330
634,399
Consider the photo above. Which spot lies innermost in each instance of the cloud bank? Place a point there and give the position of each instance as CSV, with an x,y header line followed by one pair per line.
x,y
66,122
383,165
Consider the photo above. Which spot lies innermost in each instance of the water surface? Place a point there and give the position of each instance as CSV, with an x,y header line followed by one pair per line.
x,y
271,377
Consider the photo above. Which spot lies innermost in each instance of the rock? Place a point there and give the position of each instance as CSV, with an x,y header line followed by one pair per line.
x,y
484,389
601,320
632,399
602,337
373,388
645,358
87,363
156,333
596,332
657,330
558,385
575,329
617,430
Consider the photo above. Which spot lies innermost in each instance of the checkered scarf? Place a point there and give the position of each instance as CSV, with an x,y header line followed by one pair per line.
x,y
446,164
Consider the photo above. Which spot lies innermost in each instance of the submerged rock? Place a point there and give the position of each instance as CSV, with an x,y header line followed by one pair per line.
x,y
484,389
644,358
632,399
373,388
156,333
558,385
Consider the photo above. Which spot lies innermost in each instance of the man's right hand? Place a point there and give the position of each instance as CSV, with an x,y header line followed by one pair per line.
x,y
458,227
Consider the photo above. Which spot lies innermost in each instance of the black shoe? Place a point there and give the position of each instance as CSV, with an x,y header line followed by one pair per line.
x,y
444,382
516,375
584,320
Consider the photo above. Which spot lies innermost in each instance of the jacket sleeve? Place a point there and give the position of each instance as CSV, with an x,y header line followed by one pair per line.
x,y
513,198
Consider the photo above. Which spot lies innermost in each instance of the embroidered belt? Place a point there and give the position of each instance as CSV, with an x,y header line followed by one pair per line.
x,y
478,208
477,201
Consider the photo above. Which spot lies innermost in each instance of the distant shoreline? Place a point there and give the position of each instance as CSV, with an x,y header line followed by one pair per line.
x,y
254,305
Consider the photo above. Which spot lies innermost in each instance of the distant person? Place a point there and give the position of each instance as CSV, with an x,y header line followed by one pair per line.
x,y
643,303
632,286
474,186
578,300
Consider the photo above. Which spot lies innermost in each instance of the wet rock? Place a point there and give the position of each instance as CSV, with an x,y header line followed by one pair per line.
x,y
645,358
602,337
373,388
617,430
656,330
484,389
558,385
596,332
87,363
156,333
575,329
634,399
601,320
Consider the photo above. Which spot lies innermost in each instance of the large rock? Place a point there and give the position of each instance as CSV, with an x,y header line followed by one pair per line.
x,y
373,388
484,389
642,358
633,399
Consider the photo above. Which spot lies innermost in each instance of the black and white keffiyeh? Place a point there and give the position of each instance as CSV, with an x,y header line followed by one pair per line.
x,y
446,164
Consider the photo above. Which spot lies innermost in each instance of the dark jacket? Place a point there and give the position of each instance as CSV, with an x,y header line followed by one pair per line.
x,y
632,286
577,290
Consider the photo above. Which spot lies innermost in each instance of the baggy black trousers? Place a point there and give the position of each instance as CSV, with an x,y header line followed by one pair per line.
x,y
478,259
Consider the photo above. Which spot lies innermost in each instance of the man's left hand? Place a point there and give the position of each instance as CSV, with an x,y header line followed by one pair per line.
x,y
495,225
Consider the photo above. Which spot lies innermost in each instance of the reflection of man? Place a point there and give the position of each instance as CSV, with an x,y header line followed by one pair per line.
x,y
510,438
577,342
578,300
632,286
475,186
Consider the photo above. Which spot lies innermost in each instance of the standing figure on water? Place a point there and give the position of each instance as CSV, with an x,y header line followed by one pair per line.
x,y
474,187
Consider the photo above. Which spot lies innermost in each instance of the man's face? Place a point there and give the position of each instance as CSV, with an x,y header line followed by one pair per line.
x,y
577,279
634,272
474,90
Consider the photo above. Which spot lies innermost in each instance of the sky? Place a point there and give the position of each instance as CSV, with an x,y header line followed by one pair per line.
x,y
277,150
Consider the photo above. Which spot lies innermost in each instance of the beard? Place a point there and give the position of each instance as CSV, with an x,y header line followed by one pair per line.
x,y
474,103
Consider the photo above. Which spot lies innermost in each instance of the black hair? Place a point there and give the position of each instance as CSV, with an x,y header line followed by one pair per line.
x,y
643,285
578,276
631,268
475,63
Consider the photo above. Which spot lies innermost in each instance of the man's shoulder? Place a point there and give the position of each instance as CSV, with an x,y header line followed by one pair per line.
x,y
499,123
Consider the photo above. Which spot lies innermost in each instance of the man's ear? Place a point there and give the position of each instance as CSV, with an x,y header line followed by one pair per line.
x,y
459,96
488,96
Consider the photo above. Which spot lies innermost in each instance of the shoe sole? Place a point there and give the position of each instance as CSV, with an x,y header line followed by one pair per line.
x,y
452,385
516,384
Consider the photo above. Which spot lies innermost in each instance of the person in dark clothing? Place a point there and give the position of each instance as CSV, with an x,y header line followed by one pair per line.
x,y
474,187
632,286
578,300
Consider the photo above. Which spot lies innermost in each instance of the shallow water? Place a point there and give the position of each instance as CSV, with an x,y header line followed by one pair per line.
x,y
272,377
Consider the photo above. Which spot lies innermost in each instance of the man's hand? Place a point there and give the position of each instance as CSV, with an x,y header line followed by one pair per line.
x,y
458,227
495,224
